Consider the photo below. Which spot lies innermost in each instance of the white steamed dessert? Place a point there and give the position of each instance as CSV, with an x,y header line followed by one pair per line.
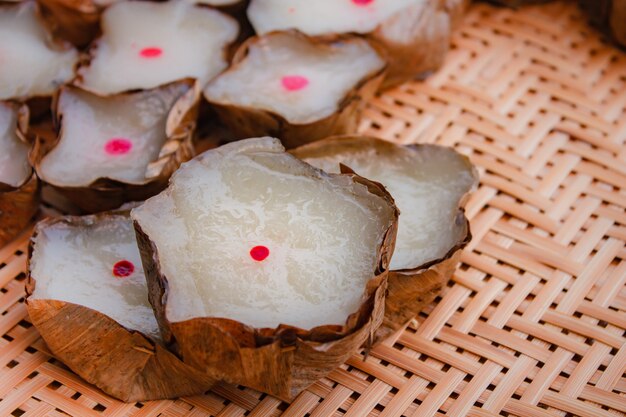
x,y
15,169
97,266
295,77
30,63
109,137
321,17
249,233
427,184
146,44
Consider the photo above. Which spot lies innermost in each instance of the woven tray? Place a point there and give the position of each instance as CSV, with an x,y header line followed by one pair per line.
x,y
533,324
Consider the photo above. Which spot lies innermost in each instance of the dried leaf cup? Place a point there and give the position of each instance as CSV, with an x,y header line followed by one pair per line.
x,y
296,88
416,40
94,315
19,187
265,320
115,149
429,184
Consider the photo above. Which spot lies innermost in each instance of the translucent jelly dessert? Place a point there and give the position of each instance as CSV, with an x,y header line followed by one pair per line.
x,y
95,265
31,64
109,137
263,269
427,183
146,44
299,81
87,296
245,232
295,78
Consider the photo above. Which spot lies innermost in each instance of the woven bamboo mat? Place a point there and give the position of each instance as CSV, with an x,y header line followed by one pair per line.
x,y
533,324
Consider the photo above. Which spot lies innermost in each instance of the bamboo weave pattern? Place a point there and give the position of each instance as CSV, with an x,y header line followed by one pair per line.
x,y
533,323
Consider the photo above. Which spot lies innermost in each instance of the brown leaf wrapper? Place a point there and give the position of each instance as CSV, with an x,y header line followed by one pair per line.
x,y
409,290
17,208
77,21
18,205
609,16
125,364
39,108
282,361
245,122
423,44
456,10
107,194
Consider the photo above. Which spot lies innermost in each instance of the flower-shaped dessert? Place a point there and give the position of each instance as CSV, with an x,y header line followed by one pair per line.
x,y
114,149
88,298
263,270
146,44
295,88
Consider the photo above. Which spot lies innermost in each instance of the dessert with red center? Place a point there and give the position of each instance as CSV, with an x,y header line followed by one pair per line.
x,y
88,298
19,188
147,44
264,269
415,33
296,88
114,149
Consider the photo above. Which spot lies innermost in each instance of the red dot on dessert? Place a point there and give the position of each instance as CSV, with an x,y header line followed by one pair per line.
x,y
259,253
123,268
118,146
294,82
362,2
151,52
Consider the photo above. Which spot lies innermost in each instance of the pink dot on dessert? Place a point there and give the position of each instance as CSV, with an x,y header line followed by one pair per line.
x,y
294,82
151,52
123,268
362,2
118,146
259,253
